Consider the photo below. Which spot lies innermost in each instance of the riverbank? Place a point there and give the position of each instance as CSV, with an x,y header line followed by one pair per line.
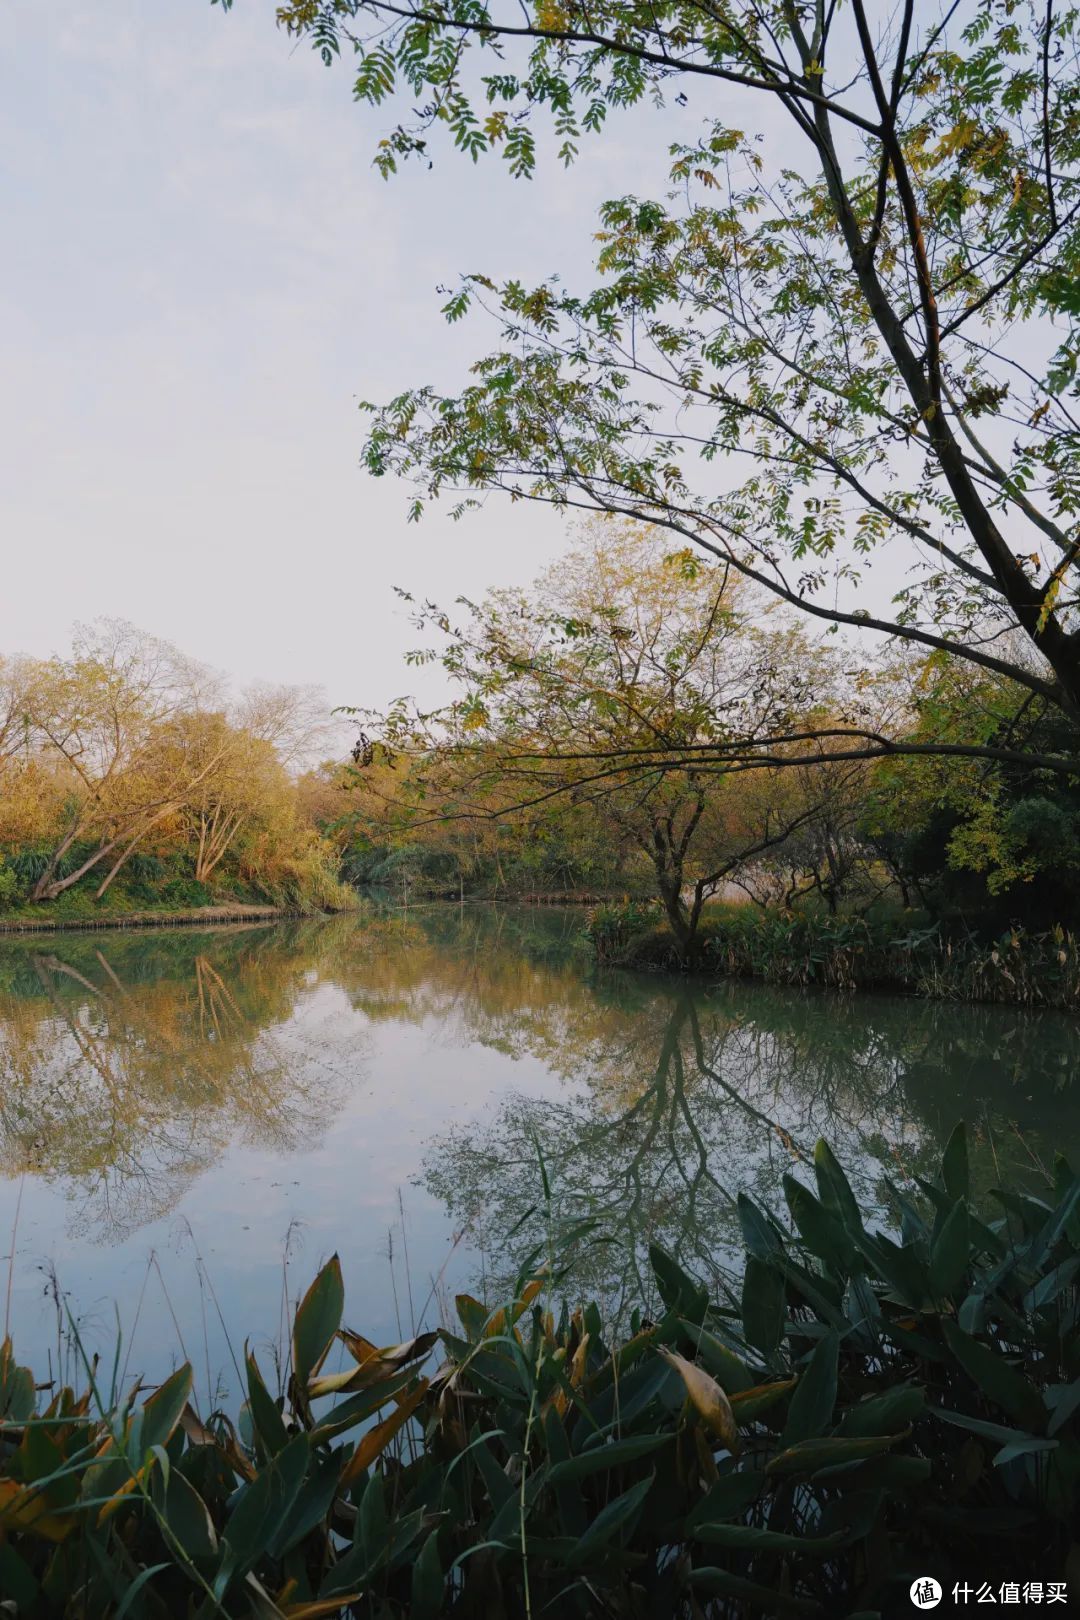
x,y
148,917
900,954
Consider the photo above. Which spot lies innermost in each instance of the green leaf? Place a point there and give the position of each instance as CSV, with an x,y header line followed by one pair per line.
x,y
899,1267
834,1187
753,1539
762,1305
954,1164
951,1253
729,1370
679,1292
981,1426
806,1456
1064,1400
730,1497
312,1505
820,1229
141,1580
885,1414
266,1418
811,1410
613,1518
162,1412
759,1233
318,1318
371,1520
427,1582
263,1505
600,1459
1023,1448
17,1580
999,1382
722,1583
886,1473
186,1514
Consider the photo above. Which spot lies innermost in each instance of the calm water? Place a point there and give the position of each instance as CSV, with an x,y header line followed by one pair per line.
x,y
190,1122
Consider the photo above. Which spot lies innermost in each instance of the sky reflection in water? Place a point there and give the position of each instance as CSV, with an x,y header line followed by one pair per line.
x,y
191,1121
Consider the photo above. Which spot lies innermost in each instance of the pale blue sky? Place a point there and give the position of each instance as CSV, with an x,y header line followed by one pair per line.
x,y
201,276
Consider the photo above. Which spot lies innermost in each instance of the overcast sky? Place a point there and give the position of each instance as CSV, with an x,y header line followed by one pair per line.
x,y
201,276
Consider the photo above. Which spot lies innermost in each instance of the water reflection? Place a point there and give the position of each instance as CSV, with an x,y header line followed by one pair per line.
x,y
695,1094
129,1065
463,1049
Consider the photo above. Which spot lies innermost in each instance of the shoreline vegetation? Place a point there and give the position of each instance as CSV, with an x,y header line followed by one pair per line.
x,y
150,917
893,953
905,955
837,1414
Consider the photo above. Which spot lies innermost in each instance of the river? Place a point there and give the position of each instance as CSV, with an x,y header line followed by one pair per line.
x,y
190,1121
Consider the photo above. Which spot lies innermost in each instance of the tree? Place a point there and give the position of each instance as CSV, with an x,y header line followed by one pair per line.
x,y
104,715
862,288
599,689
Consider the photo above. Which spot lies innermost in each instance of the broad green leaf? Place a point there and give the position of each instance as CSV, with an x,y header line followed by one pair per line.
x,y
749,1404
610,1521
603,1458
679,1292
834,1187
821,1229
811,1410
759,1233
161,1414
762,1305
318,1317
1001,1384
722,1583
427,1582
885,1414
806,1456
266,1419
951,1253
264,1504
954,1164
728,1498
752,1539
185,1513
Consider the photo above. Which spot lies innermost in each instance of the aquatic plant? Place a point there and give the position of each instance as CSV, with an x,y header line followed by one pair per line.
x,y
870,1408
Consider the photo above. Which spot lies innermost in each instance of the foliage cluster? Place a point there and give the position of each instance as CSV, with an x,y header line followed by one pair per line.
x,y
864,1409
887,950
126,763
583,748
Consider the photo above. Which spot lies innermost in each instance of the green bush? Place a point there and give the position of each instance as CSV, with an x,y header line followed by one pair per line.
x,y
869,1409
886,951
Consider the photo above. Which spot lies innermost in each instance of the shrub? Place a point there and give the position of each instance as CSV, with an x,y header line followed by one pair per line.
x,y
868,1410
848,953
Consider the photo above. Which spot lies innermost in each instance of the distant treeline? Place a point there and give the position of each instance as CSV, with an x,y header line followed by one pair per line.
x,y
130,776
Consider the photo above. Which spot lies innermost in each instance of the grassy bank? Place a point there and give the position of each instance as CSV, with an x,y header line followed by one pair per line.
x,y
847,953
854,1413
42,919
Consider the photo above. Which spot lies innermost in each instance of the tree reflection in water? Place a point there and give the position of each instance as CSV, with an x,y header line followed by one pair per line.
x,y
129,1064
702,1092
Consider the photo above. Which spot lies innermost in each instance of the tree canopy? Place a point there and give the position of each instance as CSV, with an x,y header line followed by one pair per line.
x,y
840,354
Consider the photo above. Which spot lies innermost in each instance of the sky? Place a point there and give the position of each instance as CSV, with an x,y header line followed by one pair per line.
x,y
202,276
